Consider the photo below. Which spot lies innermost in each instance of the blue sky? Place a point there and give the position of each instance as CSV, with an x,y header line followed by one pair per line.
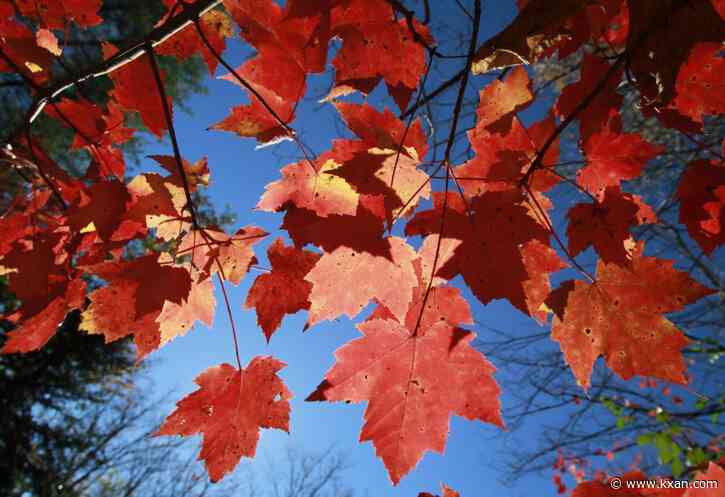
x,y
239,173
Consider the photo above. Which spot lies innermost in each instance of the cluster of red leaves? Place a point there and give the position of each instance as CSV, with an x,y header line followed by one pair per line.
x,y
414,363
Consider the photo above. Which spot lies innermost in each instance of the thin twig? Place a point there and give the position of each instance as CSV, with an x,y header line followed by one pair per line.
x,y
446,157
443,87
172,134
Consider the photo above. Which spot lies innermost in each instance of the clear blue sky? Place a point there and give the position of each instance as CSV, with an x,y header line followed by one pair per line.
x,y
238,175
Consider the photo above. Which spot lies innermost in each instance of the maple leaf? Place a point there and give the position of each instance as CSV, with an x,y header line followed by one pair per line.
x,y
98,130
157,202
504,149
215,251
131,91
215,25
392,177
494,231
698,82
35,272
177,319
384,162
502,160
540,261
100,208
371,46
16,225
362,231
47,40
383,130
255,121
605,225
662,34
35,331
57,14
702,203
500,100
228,409
19,44
311,188
413,382
284,290
603,107
334,293
447,492
288,48
620,317
413,364
134,297
299,36
196,174
612,158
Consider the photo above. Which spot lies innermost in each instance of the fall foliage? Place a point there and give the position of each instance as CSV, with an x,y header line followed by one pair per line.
x,y
65,241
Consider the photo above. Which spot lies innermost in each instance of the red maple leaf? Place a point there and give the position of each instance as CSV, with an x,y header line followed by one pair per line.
x,y
39,275
362,231
502,160
177,319
413,378
47,40
383,130
495,232
98,130
101,207
345,280
228,409
215,25
620,317
215,251
605,224
134,297
288,48
702,203
57,14
613,158
131,91
700,88
19,44
372,42
158,202
500,100
284,290
36,330
196,174
309,185
504,149
605,104
662,34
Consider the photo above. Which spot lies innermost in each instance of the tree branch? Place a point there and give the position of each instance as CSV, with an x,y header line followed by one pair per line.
x,y
157,36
